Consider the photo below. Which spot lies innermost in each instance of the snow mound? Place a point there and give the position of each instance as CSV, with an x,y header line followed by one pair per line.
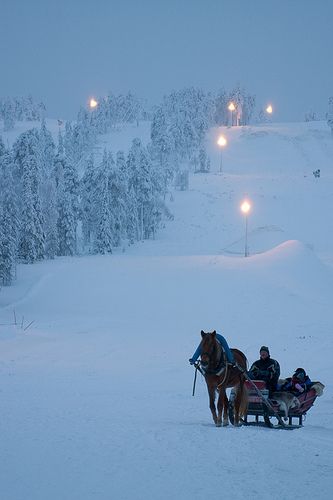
x,y
295,265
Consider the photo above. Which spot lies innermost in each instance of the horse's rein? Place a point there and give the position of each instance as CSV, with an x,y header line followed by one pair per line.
x,y
225,371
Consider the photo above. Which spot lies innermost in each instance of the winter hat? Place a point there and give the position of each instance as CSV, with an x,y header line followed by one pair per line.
x,y
264,348
300,373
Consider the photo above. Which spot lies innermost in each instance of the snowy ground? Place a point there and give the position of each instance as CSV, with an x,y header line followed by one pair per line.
x,y
96,394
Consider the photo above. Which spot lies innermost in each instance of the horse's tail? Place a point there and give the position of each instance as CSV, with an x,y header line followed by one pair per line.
x,y
243,398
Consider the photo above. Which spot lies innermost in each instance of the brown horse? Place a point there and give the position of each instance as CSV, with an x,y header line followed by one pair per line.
x,y
219,376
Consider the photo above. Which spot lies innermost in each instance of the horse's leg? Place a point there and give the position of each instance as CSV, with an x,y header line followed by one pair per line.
x,y
211,392
237,406
242,404
225,410
220,406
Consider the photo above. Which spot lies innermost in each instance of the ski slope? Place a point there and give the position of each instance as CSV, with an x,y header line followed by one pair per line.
x,y
96,393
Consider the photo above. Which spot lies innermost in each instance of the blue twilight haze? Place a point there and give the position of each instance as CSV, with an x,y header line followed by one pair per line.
x,y
64,51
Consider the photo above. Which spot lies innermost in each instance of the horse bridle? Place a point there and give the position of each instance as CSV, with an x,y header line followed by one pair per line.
x,y
217,346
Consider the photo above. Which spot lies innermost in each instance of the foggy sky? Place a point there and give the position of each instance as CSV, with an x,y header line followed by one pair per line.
x,y
64,51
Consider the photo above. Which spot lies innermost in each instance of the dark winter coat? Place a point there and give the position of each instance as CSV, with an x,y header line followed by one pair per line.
x,y
267,370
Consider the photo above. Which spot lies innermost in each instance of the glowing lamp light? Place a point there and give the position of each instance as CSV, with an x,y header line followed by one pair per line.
x,y
231,107
269,109
245,207
222,141
93,103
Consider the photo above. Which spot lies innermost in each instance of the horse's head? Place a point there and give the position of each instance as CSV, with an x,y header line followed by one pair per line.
x,y
208,348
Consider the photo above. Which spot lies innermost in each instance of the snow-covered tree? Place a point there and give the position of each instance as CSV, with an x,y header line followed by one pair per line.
x,y
9,224
50,210
103,242
7,241
203,161
132,219
66,225
45,149
72,185
8,114
87,202
67,184
27,174
221,108
118,186
32,237
144,182
162,147
25,146
3,149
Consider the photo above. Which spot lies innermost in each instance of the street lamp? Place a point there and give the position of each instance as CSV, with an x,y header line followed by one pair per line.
x,y
93,103
222,142
269,109
231,108
245,208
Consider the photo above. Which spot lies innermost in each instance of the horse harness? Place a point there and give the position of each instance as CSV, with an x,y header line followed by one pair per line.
x,y
222,364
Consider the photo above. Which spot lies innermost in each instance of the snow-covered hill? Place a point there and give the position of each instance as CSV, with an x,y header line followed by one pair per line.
x,y
96,393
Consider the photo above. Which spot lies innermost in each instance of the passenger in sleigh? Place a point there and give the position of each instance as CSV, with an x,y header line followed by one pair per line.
x,y
296,384
266,369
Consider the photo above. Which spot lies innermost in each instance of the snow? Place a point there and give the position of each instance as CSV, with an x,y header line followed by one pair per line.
x,y
96,394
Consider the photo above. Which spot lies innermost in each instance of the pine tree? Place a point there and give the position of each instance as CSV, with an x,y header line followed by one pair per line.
x,y
51,218
141,180
161,148
32,237
45,149
104,224
123,195
118,196
132,219
67,185
8,221
8,115
68,142
59,162
25,146
2,147
66,226
7,244
87,202
72,185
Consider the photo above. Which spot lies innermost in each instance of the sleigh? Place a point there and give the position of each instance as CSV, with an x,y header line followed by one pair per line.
x,y
262,408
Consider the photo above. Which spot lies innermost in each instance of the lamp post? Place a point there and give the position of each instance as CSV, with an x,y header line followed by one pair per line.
x,y
222,142
231,108
269,111
93,103
245,208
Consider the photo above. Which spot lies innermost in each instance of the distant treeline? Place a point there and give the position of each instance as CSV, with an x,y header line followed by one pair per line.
x,y
20,109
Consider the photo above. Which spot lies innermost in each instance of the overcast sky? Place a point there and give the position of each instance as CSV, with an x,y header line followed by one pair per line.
x,y
63,51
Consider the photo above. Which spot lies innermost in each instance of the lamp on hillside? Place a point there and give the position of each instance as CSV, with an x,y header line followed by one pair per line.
x,y
269,109
93,103
231,108
222,142
245,208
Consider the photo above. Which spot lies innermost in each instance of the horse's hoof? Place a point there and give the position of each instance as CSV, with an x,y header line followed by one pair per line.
x,y
218,424
225,424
